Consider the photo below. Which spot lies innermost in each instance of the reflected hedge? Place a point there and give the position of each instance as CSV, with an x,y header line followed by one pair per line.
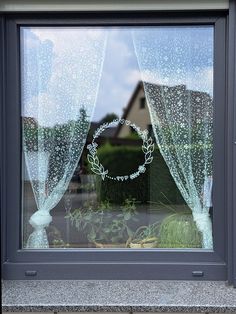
x,y
155,185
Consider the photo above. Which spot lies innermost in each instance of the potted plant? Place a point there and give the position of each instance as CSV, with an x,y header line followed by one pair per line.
x,y
102,226
144,237
116,227
179,231
87,220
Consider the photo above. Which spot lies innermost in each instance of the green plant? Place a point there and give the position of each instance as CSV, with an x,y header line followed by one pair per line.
x,y
86,219
179,231
119,228
102,222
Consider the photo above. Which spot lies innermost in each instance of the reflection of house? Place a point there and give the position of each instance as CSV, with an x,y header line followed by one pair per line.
x,y
137,110
109,135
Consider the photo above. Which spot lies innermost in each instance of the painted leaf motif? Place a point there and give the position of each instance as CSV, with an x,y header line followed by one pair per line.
x,y
90,158
96,160
149,160
151,148
104,174
147,148
96,170
144,149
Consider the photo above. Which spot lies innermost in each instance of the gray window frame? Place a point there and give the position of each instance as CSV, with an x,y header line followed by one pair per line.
x,y
115,263
231,143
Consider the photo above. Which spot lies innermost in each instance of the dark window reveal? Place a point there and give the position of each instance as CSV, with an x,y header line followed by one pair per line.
x,y
142,103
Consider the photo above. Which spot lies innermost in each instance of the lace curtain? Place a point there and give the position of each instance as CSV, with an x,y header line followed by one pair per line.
x,y
176,67
61,73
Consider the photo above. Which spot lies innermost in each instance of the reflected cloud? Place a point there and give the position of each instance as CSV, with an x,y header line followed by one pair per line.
x,y
57,78
120,74
55,91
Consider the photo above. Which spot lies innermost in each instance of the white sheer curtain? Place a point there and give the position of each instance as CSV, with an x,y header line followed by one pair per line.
x,y
61,73
176,66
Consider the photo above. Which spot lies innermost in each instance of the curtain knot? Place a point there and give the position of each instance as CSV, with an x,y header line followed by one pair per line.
x,y
40,219
201,218
204,225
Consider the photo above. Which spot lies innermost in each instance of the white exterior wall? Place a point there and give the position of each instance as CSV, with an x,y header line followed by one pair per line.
x,y
136,115
110,5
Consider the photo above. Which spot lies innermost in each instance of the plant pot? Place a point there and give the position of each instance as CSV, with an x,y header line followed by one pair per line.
x,y
145,244
179,231
142,245
110,245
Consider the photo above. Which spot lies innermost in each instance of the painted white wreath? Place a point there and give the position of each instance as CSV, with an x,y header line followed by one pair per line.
x,y
147,148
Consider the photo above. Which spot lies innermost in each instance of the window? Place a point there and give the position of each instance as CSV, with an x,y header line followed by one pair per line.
x,y
93,191
142,103
140,194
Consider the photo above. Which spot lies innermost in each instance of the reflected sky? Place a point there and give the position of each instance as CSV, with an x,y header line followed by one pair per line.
x,y
52,55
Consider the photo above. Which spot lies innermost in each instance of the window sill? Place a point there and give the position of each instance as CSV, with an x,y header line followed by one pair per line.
x,y
117,296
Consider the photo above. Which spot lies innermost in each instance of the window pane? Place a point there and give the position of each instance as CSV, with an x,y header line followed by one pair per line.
x,y
117,137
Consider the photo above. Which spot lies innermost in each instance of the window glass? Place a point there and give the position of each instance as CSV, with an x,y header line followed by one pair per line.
x,y
142,102
96,170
